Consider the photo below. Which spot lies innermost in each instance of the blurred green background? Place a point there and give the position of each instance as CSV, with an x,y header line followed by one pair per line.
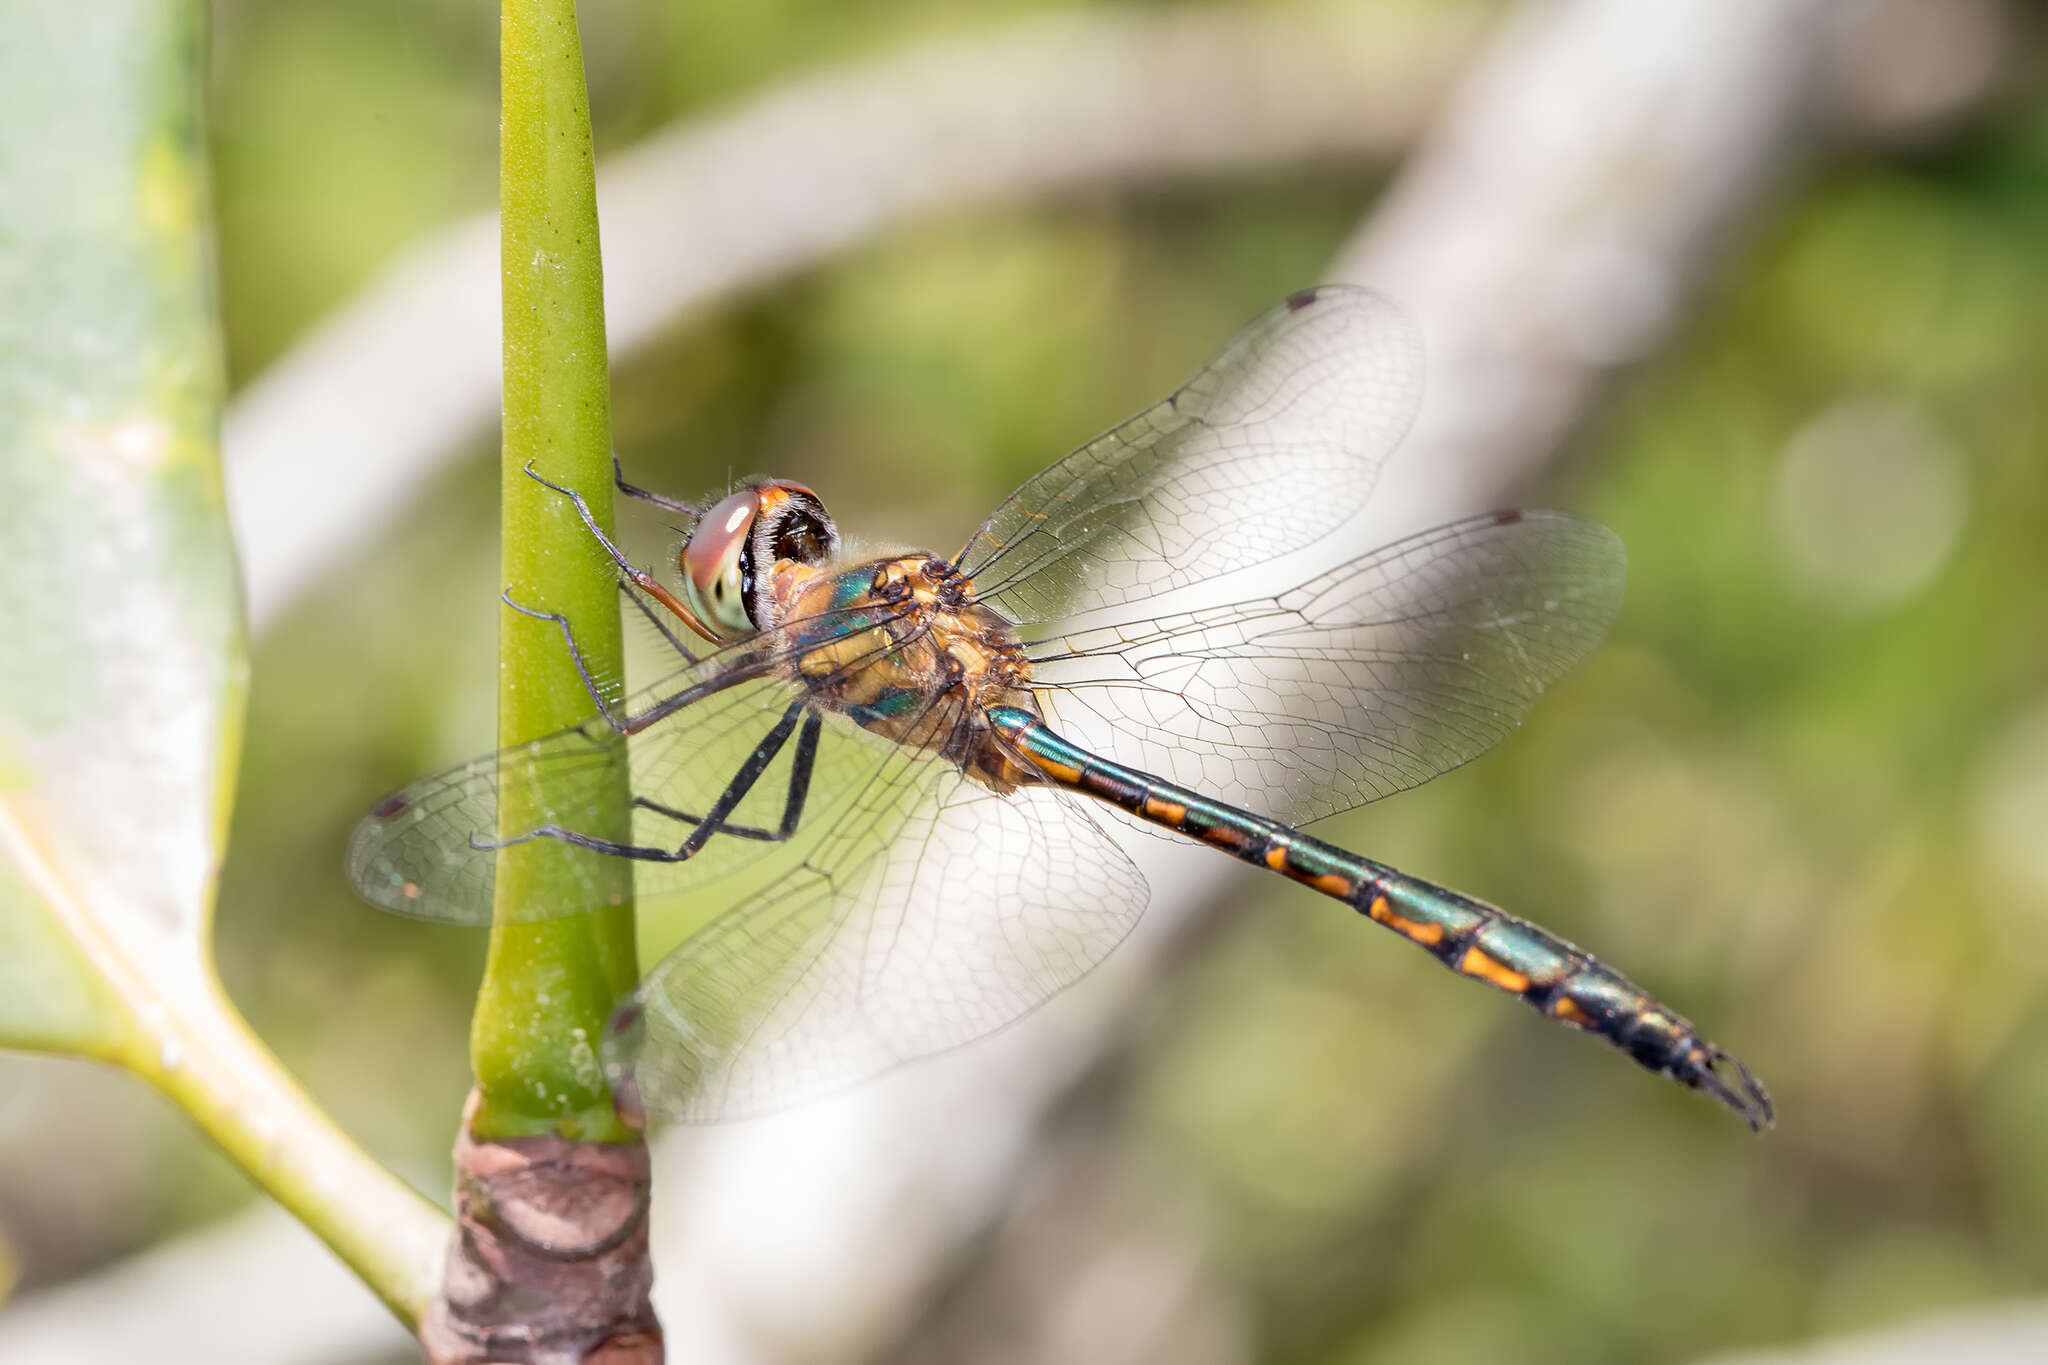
x,y
1802,792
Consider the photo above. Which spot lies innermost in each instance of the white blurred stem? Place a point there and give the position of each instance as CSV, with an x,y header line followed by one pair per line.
x,y
1574,198
327,446
1546,234
1562,214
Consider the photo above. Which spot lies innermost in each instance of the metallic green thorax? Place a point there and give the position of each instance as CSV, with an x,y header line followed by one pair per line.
x,y
1469,936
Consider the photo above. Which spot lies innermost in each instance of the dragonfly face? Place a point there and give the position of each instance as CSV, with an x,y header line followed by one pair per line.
x,y
738,544
942,740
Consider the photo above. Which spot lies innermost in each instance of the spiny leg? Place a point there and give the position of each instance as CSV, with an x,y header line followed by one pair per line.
x,y
793,803
589,520
713,821
642,579
644,495
621,723
634,722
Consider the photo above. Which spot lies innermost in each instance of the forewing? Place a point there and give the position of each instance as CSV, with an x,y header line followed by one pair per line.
x,y
933,912
1272,444
1368,679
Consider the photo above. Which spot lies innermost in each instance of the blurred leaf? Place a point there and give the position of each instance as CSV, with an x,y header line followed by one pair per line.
x,y
121,703
120,710
50,999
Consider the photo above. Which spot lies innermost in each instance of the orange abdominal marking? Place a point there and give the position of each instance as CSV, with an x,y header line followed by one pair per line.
x,y
1276,857
1333,884
1059,772
1167,812
1492,971
1428,935
1567,1009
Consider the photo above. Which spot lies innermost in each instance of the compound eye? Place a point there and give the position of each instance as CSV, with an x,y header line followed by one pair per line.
x,y
716,566
793,526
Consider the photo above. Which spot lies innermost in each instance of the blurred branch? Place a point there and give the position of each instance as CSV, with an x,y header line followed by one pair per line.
x,y
1572,199
2001,1334
392,386
258,1287
1583,183
1549,233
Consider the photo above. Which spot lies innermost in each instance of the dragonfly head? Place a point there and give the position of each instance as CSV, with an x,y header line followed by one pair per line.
x,y
735,546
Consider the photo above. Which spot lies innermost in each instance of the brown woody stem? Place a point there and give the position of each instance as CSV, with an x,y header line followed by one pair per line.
x,y
549,1265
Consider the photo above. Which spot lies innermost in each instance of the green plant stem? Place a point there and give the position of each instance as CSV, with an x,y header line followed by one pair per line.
x,y
550,984
170,1023
209,1063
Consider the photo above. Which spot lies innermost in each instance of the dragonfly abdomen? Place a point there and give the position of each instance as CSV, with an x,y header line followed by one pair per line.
x,y
1468,936
1562,981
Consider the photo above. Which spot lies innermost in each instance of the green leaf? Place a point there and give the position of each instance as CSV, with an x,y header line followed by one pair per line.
x,y
122,694
120,708
50,998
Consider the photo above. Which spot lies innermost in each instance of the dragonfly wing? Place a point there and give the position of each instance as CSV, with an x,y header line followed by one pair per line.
x,y
1273,443
1373,677
932,913
427,851
414,853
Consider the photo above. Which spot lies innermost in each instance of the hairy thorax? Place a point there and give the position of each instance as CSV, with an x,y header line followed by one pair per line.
x,y
901,647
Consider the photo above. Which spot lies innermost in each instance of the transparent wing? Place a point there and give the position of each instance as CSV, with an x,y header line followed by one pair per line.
x,y
427,851
1368,679
1273,443
933,912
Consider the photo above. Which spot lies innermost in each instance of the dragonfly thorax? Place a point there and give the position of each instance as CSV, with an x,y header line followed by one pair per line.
x,y
900,646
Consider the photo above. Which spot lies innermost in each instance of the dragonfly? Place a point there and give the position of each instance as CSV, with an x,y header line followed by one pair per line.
x,y
905,770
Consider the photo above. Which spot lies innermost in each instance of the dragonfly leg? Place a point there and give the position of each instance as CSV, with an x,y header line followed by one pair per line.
x,y
674,641
683,817
633,723
713,821
645,495
642,579
620,723
793,804
800,775
589,520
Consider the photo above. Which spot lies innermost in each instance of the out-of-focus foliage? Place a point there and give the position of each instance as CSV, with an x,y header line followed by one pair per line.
x,y
118,711
1801,791
122,705
1800,794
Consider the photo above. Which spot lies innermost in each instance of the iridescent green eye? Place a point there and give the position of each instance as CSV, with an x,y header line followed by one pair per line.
x,y
717,567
